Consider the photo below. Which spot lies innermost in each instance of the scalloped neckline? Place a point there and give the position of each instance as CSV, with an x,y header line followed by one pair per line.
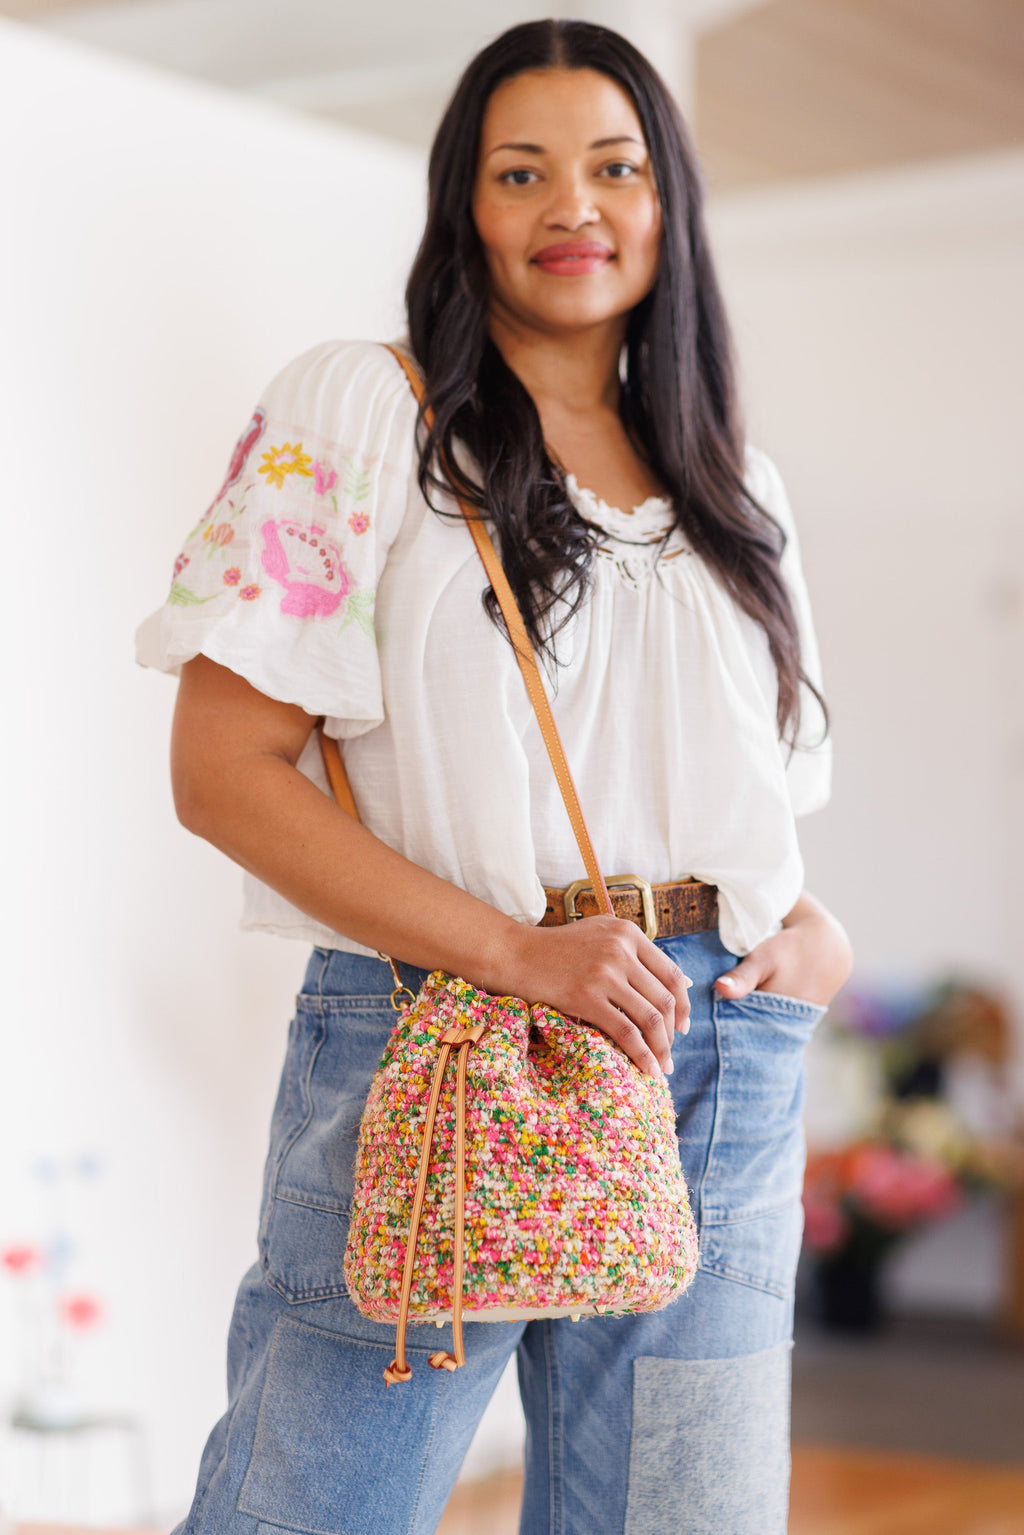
x,y
602,508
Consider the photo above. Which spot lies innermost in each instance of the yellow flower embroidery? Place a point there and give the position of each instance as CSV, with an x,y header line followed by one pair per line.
x,y
287,460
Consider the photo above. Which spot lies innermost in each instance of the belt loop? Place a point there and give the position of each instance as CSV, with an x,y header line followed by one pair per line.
x,y
323,970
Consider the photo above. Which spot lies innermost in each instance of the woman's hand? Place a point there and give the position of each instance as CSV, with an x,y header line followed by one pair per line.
x,y
606,972
811,958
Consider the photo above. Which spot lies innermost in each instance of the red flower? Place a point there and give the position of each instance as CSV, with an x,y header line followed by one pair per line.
x,y
80,1310
19,1260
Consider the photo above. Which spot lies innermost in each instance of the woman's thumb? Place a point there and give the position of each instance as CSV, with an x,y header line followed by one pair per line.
x,y
737,982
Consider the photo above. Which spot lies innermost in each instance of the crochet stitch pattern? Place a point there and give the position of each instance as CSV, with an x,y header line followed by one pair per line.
x,y
575,1199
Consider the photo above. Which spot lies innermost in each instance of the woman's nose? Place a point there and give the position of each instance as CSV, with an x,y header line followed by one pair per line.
x,y
571,208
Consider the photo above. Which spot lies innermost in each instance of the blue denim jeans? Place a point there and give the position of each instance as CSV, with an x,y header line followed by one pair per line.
x,y
676,1423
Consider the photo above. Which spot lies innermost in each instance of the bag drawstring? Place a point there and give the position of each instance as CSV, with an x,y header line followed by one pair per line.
x,y
399,1369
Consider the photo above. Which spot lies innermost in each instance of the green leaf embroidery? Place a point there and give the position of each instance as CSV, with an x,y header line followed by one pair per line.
x,y
359,610
357,482
181,597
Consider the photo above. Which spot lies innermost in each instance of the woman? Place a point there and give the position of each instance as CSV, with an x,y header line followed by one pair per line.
x,y
564,312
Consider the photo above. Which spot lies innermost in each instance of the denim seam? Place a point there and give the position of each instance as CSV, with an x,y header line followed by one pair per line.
x,y
300,1297
780,1002
307,1098
721,1054
740,1276
555,1500
370,1002
424,1462
743,1217
319,1202
325,964
191,1525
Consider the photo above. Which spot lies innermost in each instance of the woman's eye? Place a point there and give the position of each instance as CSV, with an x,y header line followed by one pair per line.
x,y
619,170
517,178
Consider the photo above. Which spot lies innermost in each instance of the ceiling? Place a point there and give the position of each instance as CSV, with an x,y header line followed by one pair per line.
x,y
776,90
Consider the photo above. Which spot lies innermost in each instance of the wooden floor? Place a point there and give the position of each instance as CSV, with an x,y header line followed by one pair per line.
x,y
835,1492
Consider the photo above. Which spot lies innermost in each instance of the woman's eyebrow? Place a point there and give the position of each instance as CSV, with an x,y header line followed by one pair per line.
x,y
538,149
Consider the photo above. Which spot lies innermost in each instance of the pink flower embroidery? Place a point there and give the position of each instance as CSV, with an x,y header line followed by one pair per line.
x,y
359,522
243,447
179,565
307,565
232,576
250,593
324,478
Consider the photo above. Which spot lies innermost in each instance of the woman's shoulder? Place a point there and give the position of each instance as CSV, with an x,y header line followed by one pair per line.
x,y
348,392
766,485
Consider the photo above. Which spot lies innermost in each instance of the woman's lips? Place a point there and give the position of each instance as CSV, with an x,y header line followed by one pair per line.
x,y
573,257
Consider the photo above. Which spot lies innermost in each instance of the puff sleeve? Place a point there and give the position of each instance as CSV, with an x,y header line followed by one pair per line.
x,y
809,765
277,579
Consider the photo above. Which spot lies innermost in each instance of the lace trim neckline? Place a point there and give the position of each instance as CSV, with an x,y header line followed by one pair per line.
x,y
599,511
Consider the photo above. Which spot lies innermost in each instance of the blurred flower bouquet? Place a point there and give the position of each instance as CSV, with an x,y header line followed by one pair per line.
x,y
937,1122
51,1313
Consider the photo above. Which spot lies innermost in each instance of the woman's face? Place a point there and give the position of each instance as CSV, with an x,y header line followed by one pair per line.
x,y
565,202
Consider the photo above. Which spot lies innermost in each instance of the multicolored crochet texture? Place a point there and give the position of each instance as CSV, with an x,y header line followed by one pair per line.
x,y
574,1193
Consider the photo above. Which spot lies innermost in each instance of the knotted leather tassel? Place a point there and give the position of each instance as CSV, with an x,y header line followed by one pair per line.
x,y
399,1369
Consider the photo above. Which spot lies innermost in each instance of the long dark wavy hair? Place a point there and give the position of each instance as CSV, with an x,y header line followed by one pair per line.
x,y
678,395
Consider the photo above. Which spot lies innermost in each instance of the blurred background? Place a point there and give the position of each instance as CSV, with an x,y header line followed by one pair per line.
x,y
193,192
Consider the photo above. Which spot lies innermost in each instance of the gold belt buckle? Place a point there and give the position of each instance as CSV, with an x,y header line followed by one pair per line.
x,y
618,881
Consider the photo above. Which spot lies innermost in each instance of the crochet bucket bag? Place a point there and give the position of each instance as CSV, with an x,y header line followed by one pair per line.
x,y
512,1163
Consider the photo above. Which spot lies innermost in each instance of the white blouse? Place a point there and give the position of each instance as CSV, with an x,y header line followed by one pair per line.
x,y
320,575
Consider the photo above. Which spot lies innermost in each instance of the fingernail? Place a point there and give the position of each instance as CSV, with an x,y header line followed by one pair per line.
x,y
670,1068
685,1028
687,981
725,980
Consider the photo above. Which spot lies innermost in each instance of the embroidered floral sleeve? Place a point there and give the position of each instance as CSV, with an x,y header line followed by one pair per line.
x,y
277,578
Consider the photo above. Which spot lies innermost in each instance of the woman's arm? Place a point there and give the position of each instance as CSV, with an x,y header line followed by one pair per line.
x,y
811,958
233,766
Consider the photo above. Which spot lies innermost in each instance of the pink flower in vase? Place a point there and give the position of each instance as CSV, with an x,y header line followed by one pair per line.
x,y
898,1189
324,478
21,1259
825,1224
81,1310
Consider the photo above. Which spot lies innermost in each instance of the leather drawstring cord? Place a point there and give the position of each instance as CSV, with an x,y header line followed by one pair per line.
x,y
399,1369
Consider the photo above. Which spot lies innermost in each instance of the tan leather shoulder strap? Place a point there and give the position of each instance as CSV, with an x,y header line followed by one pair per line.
x,y
527,665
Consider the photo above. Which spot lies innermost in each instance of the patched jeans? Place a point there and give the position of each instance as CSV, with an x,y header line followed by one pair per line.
x,y
676,1423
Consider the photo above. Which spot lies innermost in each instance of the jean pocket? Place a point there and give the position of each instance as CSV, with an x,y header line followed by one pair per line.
x,y
782,1002
335,1045
759,1250
333,1450
755,1164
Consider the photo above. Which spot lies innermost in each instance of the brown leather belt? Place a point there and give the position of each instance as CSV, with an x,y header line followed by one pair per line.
x,y
663,911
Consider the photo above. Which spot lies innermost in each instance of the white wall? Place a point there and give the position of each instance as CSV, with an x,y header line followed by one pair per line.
x,y
171,248
880,326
